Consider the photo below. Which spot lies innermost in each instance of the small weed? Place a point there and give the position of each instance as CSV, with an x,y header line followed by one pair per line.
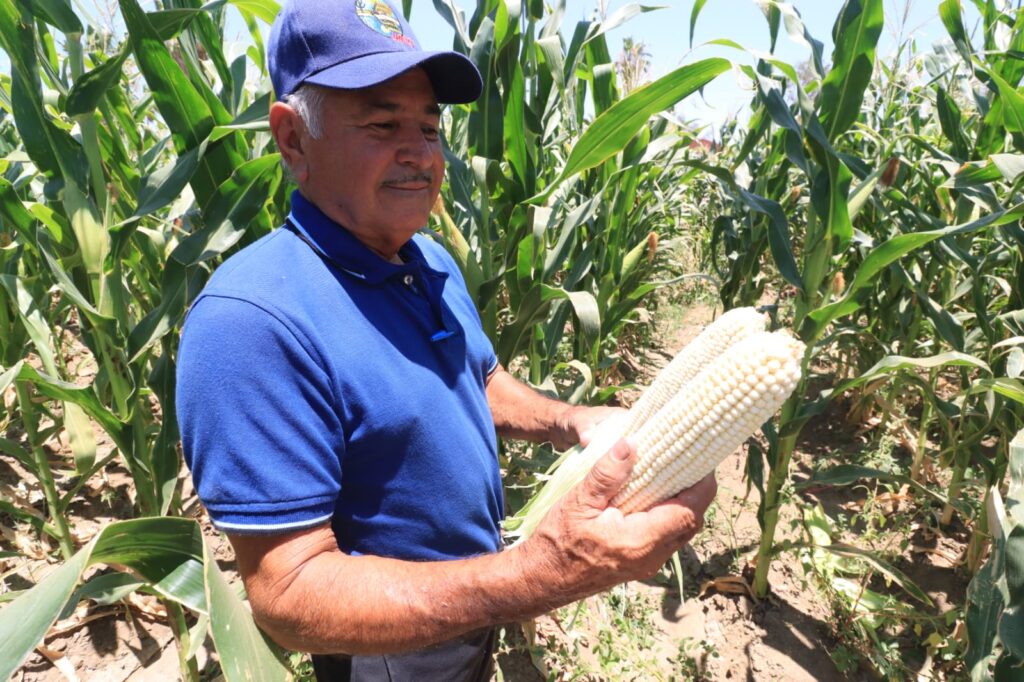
x,y
692,658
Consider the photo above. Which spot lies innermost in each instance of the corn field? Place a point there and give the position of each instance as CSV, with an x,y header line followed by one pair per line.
x,y
872,206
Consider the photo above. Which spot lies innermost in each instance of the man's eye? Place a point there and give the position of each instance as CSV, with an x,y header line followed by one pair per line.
x,y
431,133
383,125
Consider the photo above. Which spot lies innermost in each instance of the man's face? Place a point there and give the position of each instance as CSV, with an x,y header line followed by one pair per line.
x,y
378,166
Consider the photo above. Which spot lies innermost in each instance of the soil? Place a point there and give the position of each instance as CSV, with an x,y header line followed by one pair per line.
x,y
717,632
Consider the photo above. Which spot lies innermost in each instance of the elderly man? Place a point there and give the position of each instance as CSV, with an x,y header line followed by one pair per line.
x,y
339,401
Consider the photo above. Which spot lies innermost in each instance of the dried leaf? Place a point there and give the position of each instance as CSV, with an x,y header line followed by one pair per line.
x,y
60,661
730,584
147,604
82,616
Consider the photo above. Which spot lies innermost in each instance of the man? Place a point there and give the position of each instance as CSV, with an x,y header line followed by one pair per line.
x,y
338,399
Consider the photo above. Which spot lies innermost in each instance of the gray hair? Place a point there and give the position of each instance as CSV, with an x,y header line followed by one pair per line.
x,y
307,101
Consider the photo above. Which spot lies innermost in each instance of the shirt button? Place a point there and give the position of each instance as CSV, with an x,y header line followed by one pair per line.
x,y
408,280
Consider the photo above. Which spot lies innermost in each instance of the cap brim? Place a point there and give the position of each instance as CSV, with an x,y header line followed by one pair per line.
x,y
454,76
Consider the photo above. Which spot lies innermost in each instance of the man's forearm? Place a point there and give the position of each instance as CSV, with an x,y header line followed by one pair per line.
x,y
337,603
310,596
521,413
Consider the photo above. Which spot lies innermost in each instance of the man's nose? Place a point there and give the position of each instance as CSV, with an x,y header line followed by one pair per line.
x,y
416,150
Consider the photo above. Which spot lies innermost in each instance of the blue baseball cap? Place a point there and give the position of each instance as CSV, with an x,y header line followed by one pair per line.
x,y
352,44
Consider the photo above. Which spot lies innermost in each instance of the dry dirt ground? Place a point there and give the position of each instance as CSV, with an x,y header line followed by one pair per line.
x,y
641,631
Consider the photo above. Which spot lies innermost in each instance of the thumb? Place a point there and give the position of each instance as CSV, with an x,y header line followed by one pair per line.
x,y
607,476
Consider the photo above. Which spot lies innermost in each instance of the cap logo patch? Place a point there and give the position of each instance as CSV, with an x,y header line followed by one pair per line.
x,y
379,16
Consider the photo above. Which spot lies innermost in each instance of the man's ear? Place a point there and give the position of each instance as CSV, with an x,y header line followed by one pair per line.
x,y
288,130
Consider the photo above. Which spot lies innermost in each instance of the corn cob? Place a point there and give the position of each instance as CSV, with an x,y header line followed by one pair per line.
x,y
732,326
719,409
712,342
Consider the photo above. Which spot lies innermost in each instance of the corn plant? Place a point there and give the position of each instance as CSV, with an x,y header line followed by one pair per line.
x,y
122,219
134,166
817,171
995,615
551,217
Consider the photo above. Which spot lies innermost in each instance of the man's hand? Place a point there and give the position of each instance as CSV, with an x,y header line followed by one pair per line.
x,y
584,545
522,413
576,424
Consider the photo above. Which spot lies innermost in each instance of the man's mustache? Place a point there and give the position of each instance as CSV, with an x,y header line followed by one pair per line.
x,y
418,177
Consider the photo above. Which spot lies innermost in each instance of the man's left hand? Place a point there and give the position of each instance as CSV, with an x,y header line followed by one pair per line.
x,y
577,423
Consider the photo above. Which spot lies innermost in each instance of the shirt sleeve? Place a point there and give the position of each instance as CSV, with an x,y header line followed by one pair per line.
x,y
258,418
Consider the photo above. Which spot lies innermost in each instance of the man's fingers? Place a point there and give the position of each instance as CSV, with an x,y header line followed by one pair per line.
x,y
699,496
607,476
684,513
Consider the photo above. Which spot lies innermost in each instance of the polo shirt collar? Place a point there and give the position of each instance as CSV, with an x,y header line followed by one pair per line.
x,y
345,251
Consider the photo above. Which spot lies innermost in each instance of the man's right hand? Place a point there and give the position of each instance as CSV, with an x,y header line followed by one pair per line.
x,y
584,545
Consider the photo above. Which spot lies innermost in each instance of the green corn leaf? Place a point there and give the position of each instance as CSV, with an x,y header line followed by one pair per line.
x,y
985,602
80,432
14,214
86,93
798,32
1008,388
235,204
29,516
32,319
57,13
245,652
513,138
1010,166
890,251
105,589
778,235
698,5
855,34
90,232
888,570
896,363
862,192
602,75
184,109
168,23
774,16
167,552
81,437
166,184
951,14
951,122
266,10
621,16
52,149
175,286
83,397
255,117
613,129
486,118
103,322
1010,105
8,446
973,175
24,622
455,18
848,474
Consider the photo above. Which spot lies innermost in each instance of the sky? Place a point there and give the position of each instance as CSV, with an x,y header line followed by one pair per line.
x,y
665,33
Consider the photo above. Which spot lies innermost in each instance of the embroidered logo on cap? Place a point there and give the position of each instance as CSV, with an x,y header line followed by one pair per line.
x,y
379,16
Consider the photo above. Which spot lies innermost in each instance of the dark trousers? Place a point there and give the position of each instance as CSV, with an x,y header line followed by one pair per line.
x,y
466,659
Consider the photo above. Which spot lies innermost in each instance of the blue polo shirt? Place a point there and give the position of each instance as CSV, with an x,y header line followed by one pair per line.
x,y
317,381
